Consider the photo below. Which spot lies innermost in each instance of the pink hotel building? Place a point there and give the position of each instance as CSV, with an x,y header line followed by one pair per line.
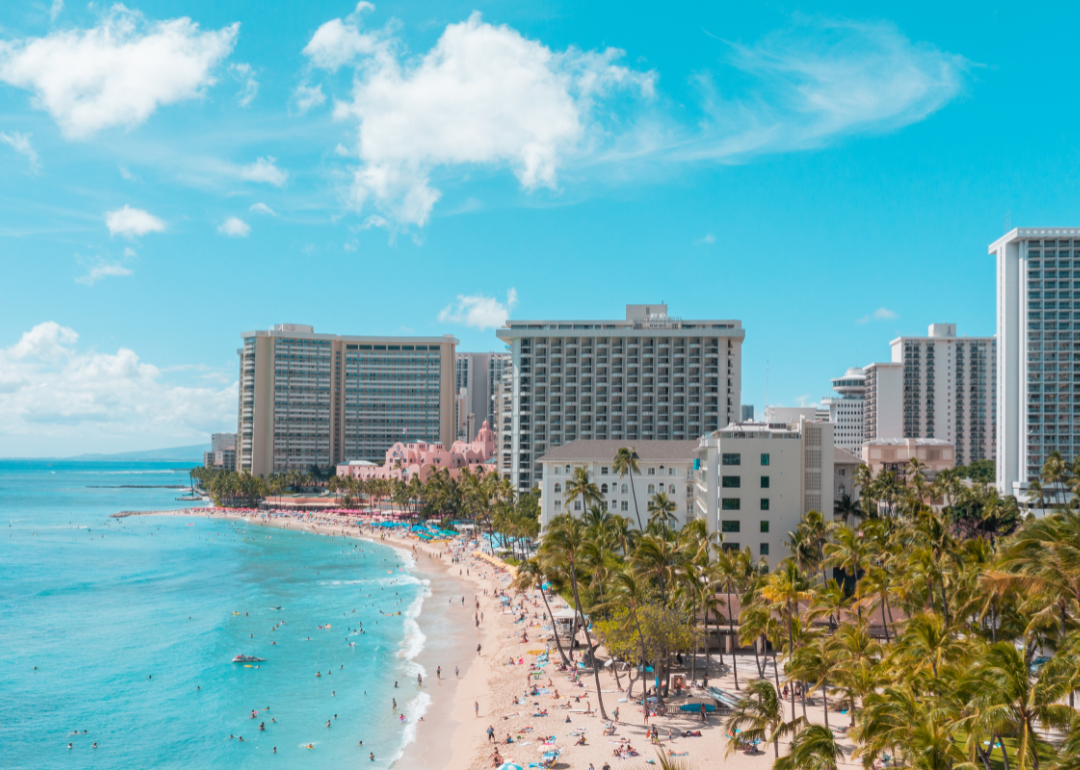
x,y
422,458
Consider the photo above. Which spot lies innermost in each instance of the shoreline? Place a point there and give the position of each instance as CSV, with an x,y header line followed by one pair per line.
x,y
562,712
443,714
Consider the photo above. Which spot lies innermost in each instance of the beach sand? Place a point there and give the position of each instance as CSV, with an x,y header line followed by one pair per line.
x,y
453,735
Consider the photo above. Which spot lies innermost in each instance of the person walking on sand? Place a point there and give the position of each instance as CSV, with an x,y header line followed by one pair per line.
x,y
491,734
476,708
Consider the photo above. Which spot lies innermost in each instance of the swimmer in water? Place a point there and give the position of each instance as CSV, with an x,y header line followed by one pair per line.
x,y
372,757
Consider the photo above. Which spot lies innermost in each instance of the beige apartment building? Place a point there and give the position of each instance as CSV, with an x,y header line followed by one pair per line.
x,y
323,399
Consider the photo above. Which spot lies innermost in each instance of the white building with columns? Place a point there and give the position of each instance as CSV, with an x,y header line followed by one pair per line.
x,y
664,467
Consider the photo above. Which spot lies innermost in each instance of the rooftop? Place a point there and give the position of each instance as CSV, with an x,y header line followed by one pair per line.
x,y
302,331
906,441
1031,233
843,457
637,317
588,450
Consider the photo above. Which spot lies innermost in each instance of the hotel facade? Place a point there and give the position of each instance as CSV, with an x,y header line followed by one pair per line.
x,y
1038,351
648,377
322,399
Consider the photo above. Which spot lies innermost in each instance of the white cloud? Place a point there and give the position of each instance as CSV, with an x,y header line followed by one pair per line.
x,y
125,173
235,228
21,144
881,314
130,222
818,80
707,240
54,394
307,97
103,270
117,73
55,10
264,170
245,73
338,42
479,312
262,208
481,95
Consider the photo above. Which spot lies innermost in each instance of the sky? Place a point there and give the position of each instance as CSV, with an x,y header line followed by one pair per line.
x,y
174,173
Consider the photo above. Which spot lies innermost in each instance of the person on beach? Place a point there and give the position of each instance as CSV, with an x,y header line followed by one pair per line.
x,y
476,708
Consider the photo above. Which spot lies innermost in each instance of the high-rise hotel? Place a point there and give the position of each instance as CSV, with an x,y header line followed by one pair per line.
x,y
650,376
1038,352
322,399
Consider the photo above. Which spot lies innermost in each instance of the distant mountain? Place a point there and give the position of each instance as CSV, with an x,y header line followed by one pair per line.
x,y
192,453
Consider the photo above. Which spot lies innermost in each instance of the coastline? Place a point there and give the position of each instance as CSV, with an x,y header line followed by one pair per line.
x,y
495,681
447,700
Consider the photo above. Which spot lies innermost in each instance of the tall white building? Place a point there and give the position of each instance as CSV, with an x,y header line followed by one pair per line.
x,y
1038,332
949,390
847,410
753,483
883,410
649,377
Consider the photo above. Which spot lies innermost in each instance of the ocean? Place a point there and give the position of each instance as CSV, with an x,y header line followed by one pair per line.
x,y
122,632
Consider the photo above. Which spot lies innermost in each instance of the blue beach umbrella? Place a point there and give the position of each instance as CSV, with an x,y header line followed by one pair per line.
x,y
509,766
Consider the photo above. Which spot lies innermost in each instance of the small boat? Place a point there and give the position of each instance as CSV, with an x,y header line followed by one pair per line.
x,y
247,659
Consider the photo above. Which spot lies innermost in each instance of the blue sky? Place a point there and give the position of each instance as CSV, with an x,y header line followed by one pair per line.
x,y
177,172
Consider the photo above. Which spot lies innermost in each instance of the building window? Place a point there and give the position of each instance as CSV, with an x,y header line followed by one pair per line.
x,y
732,459
652,488
731,482
763,549
624,490
577,505
764,458
603,470
730,503
730,546
652,471
764,482
671,489
625,506
558,505
671,472
558,487
603,489
567,470
729,526
764,526
764,503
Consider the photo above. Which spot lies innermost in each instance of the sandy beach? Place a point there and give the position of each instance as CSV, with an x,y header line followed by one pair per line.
x,y
491,689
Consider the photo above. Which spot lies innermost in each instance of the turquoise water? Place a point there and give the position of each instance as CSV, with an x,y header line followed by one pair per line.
x,y
131,625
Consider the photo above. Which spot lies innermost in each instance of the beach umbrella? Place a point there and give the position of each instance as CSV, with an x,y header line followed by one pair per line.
x,y
509,766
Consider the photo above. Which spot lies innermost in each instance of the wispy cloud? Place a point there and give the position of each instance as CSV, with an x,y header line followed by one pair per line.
x,y
305,97
881,314
264,170
102,270
706,240
56,9
478,311
244,73
818,80
130,222
21,144
262,208
235,228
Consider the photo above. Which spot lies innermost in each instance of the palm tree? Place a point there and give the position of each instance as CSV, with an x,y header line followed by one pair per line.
x,y
563,547
813,748
580,485
784,590
1005,700
626,463
759,716
734,569
661,510
530,574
